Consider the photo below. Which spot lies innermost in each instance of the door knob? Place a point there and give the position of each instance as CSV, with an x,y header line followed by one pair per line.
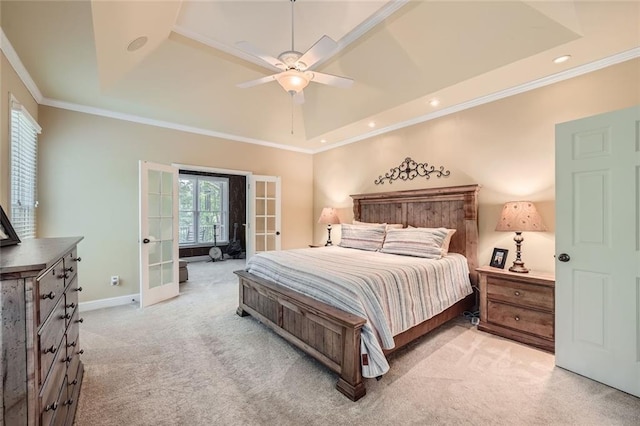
x,y
277,232
564,257
146,241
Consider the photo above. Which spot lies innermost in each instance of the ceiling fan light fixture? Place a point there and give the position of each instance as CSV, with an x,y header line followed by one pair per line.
x,y
293,81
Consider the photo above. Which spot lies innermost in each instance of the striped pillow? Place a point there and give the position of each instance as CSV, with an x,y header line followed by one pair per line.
x,y
419,242
362,237
389,225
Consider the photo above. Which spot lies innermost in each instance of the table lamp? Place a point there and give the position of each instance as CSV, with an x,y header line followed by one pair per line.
x,y
329,216
518,217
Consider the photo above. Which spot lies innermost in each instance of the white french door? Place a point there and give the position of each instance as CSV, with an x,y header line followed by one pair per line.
x,y
264,213
158,233
598,248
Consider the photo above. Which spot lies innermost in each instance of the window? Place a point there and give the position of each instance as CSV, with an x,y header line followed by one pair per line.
x,y
204,209
23,166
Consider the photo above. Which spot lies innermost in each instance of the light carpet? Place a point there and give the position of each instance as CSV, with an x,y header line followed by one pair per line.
x,y
192,361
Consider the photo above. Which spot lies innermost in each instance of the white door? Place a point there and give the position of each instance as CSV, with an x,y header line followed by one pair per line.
x,y
158,233
263,233
598,248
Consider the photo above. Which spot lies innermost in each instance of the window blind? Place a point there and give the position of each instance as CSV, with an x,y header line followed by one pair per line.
x,y
24,154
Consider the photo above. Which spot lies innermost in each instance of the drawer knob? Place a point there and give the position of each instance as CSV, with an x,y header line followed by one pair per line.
x,y
71,305
78,259
65,316
52,349
67,359
75,382
81,351
517,293
72,344
80,320
77,289
51,407
69,269
51,295
65,276
68,402
517,318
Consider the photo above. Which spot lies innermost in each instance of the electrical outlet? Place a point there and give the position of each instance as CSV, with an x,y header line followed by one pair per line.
x,y
115,280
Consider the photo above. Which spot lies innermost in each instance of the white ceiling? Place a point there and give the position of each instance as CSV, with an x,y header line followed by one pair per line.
x,y
401,54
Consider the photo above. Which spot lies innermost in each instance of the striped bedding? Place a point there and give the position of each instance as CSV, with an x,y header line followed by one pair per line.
x,y
394,293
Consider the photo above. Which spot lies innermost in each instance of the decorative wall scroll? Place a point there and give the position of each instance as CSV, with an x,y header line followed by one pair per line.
x,y
409,170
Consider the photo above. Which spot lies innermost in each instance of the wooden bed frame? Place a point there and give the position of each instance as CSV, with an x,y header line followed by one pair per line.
x,y
331,335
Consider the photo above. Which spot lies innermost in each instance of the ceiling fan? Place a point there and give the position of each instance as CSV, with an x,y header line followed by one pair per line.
x,y
296,67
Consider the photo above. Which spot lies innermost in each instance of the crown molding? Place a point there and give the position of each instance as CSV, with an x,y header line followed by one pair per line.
x,y
532,85
16,63
166,124
22,72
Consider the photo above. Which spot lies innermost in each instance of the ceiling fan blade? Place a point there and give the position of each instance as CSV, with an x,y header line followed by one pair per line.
x,y
332,80
258,53
321,49
298,98
256,82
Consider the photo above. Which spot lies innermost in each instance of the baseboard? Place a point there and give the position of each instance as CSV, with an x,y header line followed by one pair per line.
x,y
109,303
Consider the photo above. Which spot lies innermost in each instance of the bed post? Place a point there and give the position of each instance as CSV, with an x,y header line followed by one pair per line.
x,y
241,312
350,381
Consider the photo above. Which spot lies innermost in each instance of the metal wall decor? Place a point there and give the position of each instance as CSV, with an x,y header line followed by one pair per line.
x,y
409,170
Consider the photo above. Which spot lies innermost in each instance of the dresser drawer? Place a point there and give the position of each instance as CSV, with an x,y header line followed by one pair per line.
x,y
521,294
71,264
50,287
523,319
53,394
50,338
73,393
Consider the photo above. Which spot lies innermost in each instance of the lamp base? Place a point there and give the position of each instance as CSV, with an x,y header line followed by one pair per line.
x,y
329,243
518,266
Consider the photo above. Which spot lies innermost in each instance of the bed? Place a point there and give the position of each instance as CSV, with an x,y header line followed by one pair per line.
x,y
335,336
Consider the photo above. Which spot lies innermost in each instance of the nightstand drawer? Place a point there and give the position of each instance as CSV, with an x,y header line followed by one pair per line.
x,y
527,320
521,294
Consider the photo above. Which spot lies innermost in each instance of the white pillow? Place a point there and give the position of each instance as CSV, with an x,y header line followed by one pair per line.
x,y
419,242
362,237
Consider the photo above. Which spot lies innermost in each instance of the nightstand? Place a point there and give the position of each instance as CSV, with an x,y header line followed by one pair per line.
x,y
518,306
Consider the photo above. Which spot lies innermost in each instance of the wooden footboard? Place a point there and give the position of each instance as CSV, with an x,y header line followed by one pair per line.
x,y
326,333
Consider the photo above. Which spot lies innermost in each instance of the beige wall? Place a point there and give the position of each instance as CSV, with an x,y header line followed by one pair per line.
x,y
10,83
88,185
506,146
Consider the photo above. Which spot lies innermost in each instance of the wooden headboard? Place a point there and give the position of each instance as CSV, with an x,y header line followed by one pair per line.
x,y
453,207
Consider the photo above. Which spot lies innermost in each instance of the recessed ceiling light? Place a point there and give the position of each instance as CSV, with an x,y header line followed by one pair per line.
x,y
137,43
561,59
372,124
323,141
434,102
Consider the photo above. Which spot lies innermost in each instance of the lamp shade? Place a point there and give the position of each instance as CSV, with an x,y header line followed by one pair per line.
x,y
293,81
519,216
329,216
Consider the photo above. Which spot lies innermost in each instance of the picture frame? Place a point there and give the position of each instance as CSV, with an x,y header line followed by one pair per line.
x,y
8,235
499,258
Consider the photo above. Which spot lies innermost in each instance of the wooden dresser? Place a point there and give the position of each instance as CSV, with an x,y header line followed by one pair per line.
x,y
518,306
40,328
